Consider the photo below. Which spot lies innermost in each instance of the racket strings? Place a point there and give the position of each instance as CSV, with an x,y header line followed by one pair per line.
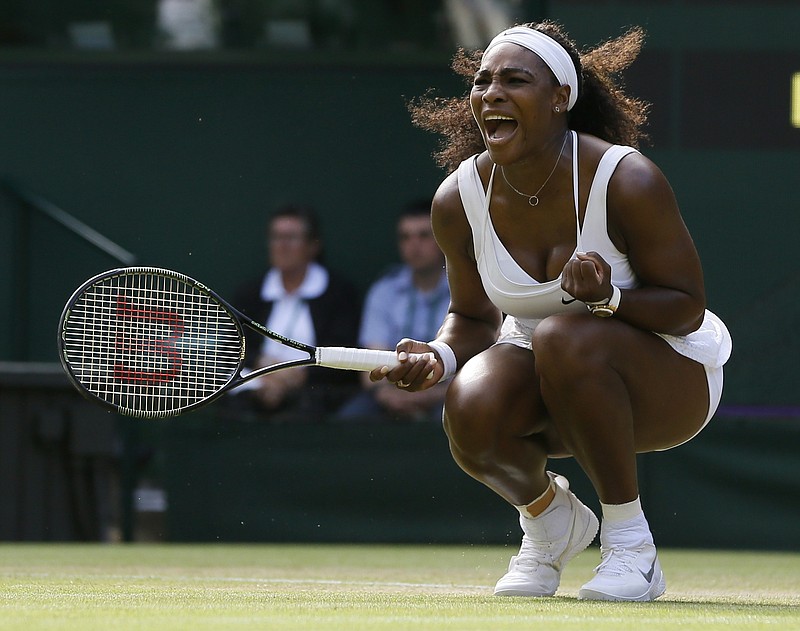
x,y
150,344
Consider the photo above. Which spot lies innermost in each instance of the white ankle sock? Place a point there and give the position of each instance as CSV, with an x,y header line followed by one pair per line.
x,y
523,509
625,524
617,513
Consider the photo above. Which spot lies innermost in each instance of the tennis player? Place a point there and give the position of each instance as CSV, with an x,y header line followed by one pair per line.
x,y
553,217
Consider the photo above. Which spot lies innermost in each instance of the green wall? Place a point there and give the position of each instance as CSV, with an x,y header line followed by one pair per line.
x,y
178,159
392,483
179,163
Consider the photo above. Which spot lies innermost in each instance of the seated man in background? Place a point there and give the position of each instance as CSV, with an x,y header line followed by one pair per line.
x,y
411,300
301,299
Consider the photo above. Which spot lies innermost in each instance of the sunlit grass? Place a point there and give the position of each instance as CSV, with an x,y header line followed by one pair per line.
x,y
198,587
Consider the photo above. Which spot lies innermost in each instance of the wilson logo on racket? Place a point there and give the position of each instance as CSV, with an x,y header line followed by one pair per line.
x,y
136,339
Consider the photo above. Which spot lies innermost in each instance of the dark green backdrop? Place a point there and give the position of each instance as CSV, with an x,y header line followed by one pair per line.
x,y
180,163
179,158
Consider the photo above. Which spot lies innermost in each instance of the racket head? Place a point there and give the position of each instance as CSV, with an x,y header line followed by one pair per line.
x,y
149,342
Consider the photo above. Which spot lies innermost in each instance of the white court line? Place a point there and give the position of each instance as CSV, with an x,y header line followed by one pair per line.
x,y
299,581
241,579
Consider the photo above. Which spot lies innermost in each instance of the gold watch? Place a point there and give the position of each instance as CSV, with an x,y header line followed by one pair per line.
x,y
609,307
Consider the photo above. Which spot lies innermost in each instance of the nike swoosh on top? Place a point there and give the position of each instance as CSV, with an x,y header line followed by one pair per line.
x,y
567,302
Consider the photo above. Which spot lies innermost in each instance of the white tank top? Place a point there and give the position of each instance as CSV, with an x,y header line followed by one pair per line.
x,y
528,301
507,285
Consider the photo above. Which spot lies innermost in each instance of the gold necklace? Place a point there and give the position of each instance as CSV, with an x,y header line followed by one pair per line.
x,y
533,200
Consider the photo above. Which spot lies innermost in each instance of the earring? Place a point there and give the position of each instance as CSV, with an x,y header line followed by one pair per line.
x,y
557,109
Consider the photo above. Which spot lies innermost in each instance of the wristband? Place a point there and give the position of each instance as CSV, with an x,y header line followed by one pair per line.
x,y
447,356
607,308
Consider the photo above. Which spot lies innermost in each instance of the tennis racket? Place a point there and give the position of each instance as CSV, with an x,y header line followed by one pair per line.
x,y
152,343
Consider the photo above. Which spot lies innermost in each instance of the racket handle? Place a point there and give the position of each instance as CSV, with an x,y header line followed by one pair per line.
x,y
355,358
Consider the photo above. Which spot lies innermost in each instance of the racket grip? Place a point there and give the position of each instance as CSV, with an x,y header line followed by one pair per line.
x,y
355,358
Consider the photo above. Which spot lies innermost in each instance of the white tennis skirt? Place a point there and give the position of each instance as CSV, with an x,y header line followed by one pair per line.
x,y
710,345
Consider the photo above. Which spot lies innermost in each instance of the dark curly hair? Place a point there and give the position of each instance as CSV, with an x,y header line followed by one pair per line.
x,y
602,109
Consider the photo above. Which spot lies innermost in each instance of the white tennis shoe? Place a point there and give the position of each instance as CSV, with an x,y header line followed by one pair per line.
x,y
630,573
564,529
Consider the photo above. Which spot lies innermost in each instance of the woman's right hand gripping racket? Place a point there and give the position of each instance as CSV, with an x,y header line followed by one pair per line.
x,y
151,343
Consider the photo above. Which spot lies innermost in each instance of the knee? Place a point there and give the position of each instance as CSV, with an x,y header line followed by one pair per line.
x,y
470,422
465,411
569,345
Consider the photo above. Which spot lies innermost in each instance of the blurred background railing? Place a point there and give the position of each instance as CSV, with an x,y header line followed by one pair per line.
x,y
333,25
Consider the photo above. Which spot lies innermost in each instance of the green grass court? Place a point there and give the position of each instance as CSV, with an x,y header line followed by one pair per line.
x,y
92,587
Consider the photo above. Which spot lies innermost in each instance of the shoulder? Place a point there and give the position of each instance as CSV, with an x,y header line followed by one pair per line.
x,y
636,179
448,219
447,207
392,275
387,286
639,183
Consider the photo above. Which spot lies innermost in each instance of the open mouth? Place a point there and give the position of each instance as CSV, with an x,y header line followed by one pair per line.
x,y
499,126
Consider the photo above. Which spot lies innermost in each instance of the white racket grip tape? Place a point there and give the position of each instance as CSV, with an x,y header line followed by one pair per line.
x,y
357,358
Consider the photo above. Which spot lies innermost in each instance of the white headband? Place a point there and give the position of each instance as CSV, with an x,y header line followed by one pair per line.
x,y
551,52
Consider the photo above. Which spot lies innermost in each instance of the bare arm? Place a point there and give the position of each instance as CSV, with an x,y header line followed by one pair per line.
x,y
644,221
472,322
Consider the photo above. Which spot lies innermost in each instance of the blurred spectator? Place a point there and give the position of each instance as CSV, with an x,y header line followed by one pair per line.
x,y
411,300
300,298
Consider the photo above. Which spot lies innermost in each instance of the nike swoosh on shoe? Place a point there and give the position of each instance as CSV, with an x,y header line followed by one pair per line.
x,y
649,575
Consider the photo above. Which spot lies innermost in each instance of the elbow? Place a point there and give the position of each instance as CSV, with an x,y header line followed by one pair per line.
x,y
692,319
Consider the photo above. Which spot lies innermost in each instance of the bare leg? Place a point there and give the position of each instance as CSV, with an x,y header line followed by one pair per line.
x,y
613,391
500,435
494,419
601,391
